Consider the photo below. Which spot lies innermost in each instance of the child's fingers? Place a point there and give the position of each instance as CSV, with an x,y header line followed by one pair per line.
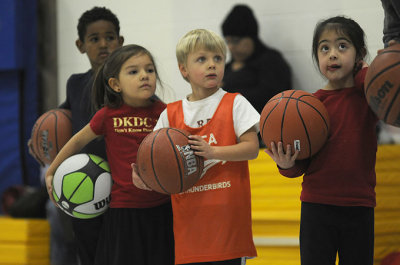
x,y
134,167
281,152
296,154
32,153
273,148
195,138
136,180
288,151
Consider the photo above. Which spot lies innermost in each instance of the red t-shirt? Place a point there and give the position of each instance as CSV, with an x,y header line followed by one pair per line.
x,y
342,173
124,129
212,220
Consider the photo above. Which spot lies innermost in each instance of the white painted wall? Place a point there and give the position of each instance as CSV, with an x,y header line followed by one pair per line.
x,y
158,24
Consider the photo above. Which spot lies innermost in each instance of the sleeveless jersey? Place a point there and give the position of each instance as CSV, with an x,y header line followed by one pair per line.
x,y
212,220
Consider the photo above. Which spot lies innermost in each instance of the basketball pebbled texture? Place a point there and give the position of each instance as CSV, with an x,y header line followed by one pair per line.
x,y
50,133
297,118
382,85
166,163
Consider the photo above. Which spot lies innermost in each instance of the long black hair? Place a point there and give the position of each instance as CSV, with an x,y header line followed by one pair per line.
x,y
345,26
102,93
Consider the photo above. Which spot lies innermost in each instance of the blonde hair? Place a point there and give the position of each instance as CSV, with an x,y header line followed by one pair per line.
x,y
199,39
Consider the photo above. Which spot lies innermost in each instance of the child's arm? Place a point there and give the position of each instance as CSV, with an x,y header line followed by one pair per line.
x,y
74,145
246,149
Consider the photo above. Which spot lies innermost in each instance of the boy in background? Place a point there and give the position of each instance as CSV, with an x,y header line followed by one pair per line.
x,y
98,30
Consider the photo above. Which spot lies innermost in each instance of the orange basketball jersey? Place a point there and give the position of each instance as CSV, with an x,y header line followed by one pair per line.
x,y
212,220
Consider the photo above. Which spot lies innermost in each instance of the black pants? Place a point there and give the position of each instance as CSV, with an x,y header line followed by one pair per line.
x,y
136,237
327,230
86,232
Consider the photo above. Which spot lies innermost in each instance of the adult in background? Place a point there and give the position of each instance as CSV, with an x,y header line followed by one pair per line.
x,y
391,23
256,71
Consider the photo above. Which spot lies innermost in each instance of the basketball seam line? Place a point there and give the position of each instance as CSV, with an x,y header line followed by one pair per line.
x,y
152,162
391,104
266,118
284,114
304,127
177,159
56,132
378,74
138,158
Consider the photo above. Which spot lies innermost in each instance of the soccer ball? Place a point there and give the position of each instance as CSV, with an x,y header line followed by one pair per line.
x,y
82,186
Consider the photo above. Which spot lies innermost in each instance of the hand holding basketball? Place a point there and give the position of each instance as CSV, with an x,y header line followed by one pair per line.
x,y
49,186
136,180
201,147
32,153
51,132
381,86
166,163
295,118
283,159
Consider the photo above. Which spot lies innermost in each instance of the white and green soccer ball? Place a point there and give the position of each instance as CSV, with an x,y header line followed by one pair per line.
x,y
82,186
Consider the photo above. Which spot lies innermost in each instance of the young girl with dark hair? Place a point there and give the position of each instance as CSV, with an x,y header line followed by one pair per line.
x,y
137,227
338,195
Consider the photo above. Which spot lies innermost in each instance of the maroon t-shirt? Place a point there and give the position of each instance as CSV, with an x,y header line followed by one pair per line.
x,y
124,129
342,173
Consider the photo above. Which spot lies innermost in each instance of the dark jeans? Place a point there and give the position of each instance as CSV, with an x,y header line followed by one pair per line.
x,y
327,230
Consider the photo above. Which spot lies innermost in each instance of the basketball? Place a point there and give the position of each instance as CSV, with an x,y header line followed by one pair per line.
x,y
297,118
382,85
50,133
82,186
166,163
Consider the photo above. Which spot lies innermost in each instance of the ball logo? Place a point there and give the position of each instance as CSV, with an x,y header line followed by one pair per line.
x,y
296,145
382,92
45,144
101,204
189,158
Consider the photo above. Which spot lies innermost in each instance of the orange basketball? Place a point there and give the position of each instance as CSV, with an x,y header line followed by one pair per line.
x,y
297,118
382,85
166,163
50,133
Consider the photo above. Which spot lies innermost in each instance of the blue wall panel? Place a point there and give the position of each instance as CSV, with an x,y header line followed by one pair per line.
x,y
18,92
10,40
10,161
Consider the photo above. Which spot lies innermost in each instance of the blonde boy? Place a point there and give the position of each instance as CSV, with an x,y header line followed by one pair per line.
x,y
212,220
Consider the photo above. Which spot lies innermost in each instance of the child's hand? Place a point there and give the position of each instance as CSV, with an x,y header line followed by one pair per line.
x,y
390,43
30,149
282,159
49,187
201,147
137,181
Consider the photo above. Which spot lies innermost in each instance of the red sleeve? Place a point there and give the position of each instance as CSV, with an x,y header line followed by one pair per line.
x,y
297,170
360,77
97,123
